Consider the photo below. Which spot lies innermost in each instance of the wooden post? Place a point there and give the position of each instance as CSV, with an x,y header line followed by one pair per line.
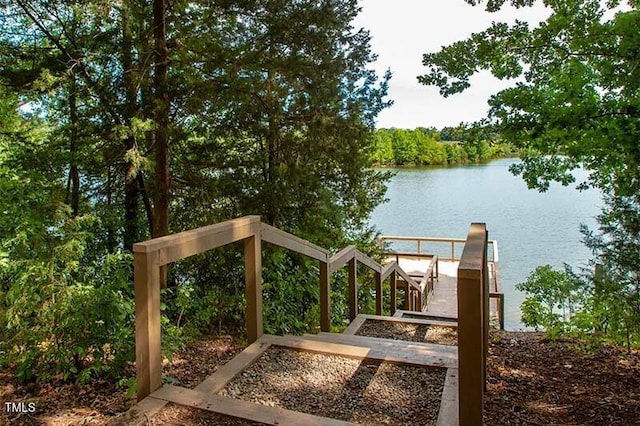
x,y
393,292
253,287
485,301
471,327
501,310
453,251
418,301
378,282
146,271
405,301
419,246
325,290
353,289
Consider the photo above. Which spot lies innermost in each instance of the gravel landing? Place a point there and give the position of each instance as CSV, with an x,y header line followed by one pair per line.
x,y
410,332
364,392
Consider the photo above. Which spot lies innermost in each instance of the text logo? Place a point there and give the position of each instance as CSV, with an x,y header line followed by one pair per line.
x,y
19,407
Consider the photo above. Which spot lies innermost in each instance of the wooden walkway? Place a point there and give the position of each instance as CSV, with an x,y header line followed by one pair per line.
x,y
444,299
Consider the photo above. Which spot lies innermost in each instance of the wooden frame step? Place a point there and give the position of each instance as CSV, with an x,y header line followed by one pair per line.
x,y
241,409
435,316
361,318
204,395
399,351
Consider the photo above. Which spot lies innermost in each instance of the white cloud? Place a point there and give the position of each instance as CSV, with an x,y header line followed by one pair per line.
x,y
403,30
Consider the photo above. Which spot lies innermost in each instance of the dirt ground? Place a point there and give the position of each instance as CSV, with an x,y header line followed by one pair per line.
x,y
530,381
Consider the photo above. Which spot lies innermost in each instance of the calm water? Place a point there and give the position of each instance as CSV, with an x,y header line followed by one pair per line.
x,y
532,228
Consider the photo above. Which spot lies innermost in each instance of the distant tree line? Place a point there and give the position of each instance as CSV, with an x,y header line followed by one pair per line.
x,y
429,146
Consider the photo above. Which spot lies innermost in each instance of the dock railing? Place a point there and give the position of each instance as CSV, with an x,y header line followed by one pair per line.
x,y
455,244
150,256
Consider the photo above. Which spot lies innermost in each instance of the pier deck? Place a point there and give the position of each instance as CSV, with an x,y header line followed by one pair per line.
x,y
444,298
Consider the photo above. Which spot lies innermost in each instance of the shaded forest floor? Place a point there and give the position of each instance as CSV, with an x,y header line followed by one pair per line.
x,y
530,381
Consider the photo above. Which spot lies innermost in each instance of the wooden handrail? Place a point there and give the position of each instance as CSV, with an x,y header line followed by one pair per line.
x,y
452,241
150,256
368,262
424,239
388,269
289,241
172,248
339,259
473,325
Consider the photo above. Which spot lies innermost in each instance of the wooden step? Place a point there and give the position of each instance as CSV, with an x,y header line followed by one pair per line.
x,y
361,318
389,352
436,316
241,409
379,342
398,351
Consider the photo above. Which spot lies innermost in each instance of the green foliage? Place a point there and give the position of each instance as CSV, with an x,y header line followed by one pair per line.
x,y
66,315
291,294
577,101
421,147
575,104
615,308
273,105
553,299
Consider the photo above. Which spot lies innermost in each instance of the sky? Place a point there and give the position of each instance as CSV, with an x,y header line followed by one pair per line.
x,y
403,30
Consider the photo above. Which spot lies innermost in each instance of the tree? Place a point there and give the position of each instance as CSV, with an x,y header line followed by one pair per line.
x,y
575,104
576,101
126,120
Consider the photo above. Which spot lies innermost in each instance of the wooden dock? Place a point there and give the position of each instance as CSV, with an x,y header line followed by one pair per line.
x,y
443,300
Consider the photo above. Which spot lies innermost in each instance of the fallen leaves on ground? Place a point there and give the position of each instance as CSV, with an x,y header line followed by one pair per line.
x,y
531,380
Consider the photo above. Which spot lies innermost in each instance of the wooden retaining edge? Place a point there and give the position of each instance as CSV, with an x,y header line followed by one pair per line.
x,y
406,321
140,414
389,354
379,342
433,356
235,366
241,409
355,325
448,414
443,316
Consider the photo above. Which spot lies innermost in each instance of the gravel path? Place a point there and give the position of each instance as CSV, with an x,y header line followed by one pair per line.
x,y
365,392
410,332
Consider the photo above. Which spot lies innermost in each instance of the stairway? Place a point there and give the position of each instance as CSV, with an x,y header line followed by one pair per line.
x,y
368,350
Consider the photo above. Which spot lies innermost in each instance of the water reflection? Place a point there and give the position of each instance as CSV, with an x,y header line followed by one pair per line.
x,y
532,228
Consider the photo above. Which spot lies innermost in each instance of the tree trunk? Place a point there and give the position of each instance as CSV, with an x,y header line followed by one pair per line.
x,y
73,193
131,191
161,118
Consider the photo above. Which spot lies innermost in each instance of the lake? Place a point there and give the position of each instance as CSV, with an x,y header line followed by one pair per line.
x,y
531,228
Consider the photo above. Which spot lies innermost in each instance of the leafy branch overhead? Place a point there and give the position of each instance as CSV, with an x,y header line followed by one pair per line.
x,y
574,100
